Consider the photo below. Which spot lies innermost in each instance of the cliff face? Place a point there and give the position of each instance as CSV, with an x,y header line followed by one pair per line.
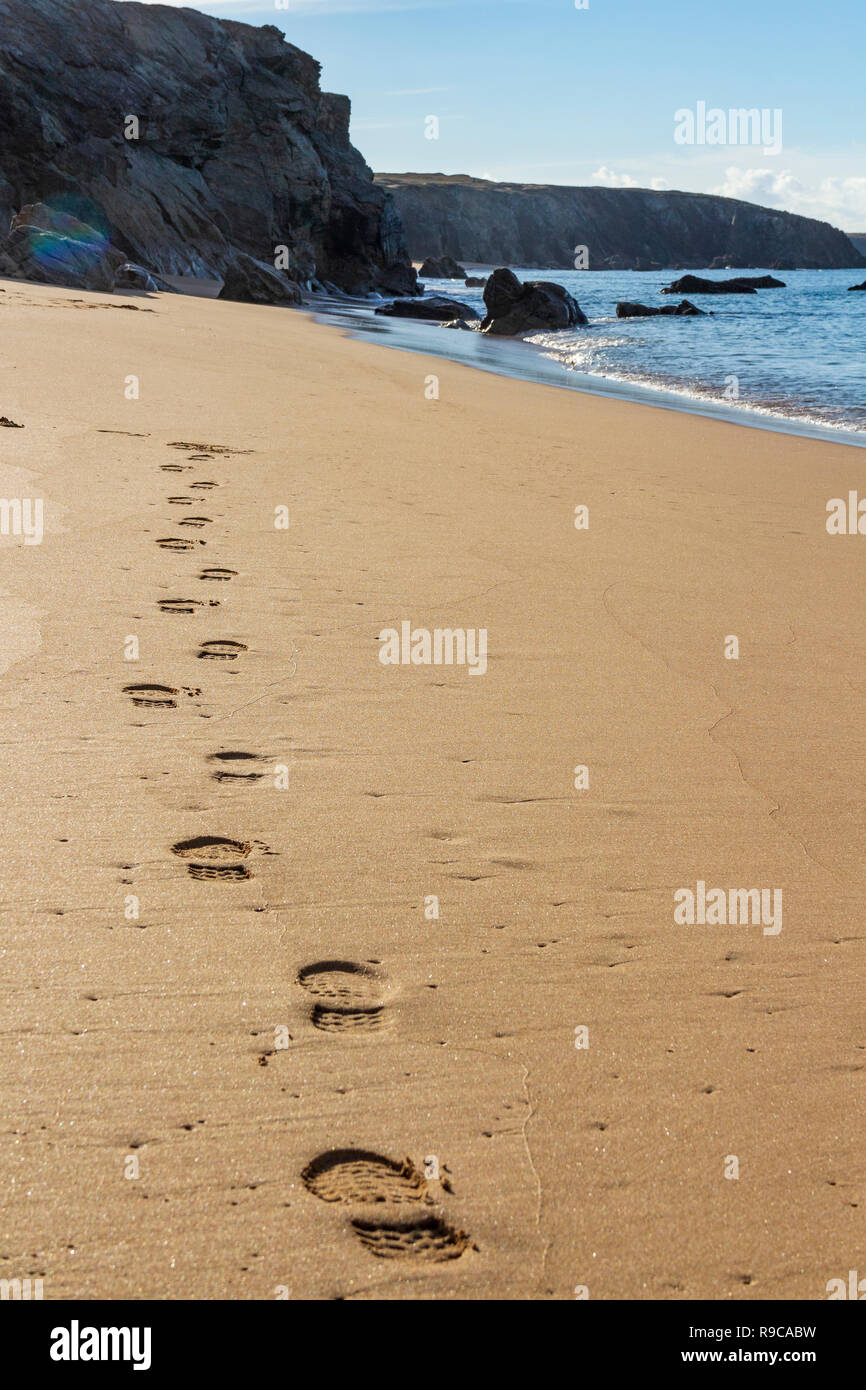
x,y
237,146
623,228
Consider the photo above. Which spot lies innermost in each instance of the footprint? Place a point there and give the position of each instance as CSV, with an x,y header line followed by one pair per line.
x,y
356,1175
185,605
180,501
152,696
213,856
177,543
422,1238
196,521
350,997
231,767
221,651
217,574
175,467
208,448
347,1020
204,486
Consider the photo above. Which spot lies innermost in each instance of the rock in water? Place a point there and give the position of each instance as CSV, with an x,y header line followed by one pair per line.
x,y
533,307
857,287
437,309
627,310
475,281
253,282
443,268
761,282
188,139
694,284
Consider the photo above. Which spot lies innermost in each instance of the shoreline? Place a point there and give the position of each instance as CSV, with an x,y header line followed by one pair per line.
x,y
508,357
157,1036
591,384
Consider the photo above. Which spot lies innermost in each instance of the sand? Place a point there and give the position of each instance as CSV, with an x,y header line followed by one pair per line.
x,y
179,1044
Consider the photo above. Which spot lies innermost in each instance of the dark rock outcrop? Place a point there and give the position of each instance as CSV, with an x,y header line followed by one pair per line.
x,y
135,277
762,282
622,228
55,248
533,307
441,268
249,281
435,309
693,284
475,281
857,287
185,139
627,310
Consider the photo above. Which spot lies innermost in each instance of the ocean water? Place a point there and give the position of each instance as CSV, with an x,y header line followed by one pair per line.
x,y
792,359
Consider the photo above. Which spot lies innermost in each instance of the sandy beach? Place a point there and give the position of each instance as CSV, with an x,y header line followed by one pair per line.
x,y
218,971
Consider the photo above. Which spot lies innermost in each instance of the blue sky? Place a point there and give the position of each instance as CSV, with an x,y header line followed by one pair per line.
x,y
542,92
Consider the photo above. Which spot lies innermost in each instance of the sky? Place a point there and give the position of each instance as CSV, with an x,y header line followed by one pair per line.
x,y
540,91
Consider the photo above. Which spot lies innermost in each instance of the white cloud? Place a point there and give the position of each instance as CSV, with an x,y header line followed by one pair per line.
x,y
610,179
841,201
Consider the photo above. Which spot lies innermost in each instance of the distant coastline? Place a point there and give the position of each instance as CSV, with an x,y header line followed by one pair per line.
x,y
542,225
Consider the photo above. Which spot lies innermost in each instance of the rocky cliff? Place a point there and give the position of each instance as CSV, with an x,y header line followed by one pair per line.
x,y
622,228
185,139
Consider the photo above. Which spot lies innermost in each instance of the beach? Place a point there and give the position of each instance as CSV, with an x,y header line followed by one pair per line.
x,y
569,1069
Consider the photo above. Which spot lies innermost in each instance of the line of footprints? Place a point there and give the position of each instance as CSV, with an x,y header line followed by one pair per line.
x,y
346,997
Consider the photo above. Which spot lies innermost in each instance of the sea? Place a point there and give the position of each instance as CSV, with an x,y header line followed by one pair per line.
x,y
791,359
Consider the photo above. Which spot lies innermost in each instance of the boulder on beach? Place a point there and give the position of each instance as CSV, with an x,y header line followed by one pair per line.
x,y
857,287
627,310
442,268
248,281
130,276
54,248
436,309
532,307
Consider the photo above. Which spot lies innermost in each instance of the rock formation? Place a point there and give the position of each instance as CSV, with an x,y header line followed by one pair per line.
x,y
435,309
622,228
443,268
536,306
184,140
627,310
743,284
255,282
56,249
